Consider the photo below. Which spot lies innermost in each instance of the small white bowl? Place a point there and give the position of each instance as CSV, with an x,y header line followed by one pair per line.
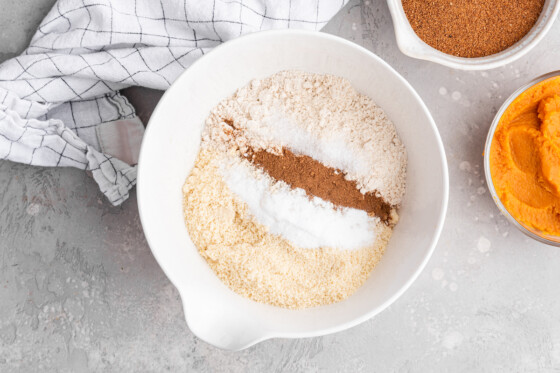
x,y
215,313
410,44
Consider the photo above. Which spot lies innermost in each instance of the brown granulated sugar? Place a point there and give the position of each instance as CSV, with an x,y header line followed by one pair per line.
x,y
472,28
258,265
318,180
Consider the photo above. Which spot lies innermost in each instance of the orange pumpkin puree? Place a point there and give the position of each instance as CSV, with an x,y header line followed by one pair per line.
x,y
525,157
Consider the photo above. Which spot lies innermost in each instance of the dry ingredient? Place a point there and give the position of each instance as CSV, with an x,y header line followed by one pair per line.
x,y
472,28
262,266
525,157
321,116
295,191
301,171
309,223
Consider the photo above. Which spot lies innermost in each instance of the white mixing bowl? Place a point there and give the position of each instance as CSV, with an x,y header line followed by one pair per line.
x,y
213,312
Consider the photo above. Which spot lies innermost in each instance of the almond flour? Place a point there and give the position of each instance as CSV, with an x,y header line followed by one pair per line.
x,y
258,265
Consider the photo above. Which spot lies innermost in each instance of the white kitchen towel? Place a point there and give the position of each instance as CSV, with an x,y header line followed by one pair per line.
x,y
59,100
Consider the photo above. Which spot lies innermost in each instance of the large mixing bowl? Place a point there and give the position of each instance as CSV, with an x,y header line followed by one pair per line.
x,y
215,313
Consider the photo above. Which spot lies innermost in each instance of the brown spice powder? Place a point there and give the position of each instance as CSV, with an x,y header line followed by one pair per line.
x,y
472,28
301,171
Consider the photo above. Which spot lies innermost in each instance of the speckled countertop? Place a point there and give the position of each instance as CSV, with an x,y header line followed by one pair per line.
x,y
80,290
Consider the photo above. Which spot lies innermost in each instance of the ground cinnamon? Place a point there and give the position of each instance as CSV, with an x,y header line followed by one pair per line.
x,y
301,171
472,28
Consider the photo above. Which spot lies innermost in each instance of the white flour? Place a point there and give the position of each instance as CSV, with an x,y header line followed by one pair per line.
x,y
320,116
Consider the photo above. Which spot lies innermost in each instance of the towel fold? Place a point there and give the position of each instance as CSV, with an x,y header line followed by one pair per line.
x,y
59,100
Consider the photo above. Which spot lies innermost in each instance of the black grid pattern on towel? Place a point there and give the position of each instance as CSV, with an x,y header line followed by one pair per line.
x,y
85,51
101,46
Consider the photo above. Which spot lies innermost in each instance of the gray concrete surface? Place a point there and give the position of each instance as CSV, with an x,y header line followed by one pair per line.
x,y
18,21
80,290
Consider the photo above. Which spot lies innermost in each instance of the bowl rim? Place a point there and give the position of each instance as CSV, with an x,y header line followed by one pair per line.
x,y
530,232
269,334
410,43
